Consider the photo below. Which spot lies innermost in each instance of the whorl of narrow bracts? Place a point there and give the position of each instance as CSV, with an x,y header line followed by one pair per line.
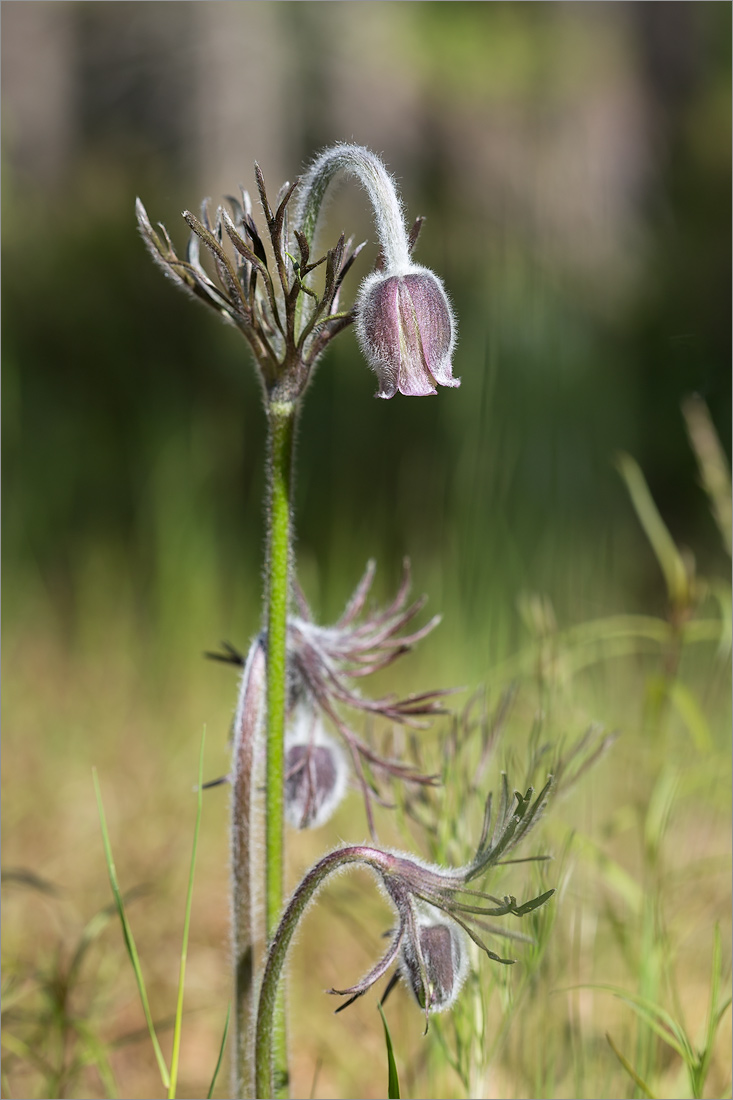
x,y
326,663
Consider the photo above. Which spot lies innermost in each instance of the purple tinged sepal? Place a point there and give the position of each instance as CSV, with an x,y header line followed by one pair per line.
x,y
407,331
436,962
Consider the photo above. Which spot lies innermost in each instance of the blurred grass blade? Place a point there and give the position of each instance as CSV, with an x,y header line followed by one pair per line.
x,y
662,543
127,931
713,464
393,1081
217,1067
26,1052
613,874
660,806
692,715
657,1018
24,877
715,1013
95,1053
630,1069
720,591
186,925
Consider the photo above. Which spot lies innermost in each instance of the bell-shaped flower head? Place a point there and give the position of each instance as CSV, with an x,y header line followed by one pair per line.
x,y
406,332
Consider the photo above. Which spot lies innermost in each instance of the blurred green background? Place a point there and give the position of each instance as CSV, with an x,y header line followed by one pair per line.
x,y
574,165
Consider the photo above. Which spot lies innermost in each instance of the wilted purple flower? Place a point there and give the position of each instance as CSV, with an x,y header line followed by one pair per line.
x,y
434,906
406,331
325,661
437,909
315,771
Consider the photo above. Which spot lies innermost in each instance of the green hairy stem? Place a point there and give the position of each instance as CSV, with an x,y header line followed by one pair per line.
x,y
281,416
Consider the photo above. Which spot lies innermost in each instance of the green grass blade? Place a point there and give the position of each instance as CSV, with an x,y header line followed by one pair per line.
x,y
691,714
714,468
93,930
25,1052
217,1067
638,1081
657,1018
95,1053
186,925
129,938
393,1081
662,543
715,1014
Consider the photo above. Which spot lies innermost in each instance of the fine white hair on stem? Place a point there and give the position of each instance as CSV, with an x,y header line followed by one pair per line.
x,y
245,839
357,161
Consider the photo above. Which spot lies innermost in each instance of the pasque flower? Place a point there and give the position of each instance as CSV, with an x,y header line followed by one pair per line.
x,y
406,331
405,323
404,320
324,665
316,771
286,303
436,910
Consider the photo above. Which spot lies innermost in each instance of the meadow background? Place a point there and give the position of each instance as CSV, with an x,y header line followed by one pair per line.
x,y
573,162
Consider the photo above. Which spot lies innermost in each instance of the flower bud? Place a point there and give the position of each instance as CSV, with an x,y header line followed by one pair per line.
x,y
315,772
443,947
407,333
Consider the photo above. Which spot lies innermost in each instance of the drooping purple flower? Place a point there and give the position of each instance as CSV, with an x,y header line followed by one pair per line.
x,y
437,908
325,664
406,330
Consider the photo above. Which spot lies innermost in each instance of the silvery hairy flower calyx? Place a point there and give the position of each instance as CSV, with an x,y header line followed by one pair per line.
x,y
406,331
438,911
316,771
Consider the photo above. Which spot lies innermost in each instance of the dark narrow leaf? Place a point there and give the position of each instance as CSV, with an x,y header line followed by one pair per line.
x,y
23,877
217,1067
304,248
414,233
263,193
630,1069
535,903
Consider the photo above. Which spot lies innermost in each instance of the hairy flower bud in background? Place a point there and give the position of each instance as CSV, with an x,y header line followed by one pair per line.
x,y
315,772
443,950
406,331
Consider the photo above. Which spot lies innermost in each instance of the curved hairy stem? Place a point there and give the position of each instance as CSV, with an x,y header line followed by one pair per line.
x,y
266,1032
357,161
